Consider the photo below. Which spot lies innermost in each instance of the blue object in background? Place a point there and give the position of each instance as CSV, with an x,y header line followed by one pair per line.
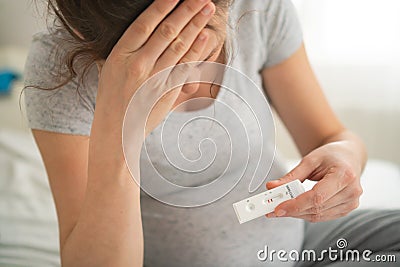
x,y
6,80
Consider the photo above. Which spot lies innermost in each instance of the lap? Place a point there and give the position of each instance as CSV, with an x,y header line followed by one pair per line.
x,y
375,230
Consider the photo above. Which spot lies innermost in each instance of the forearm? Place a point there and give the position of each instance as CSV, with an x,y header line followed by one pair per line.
x,y
109,229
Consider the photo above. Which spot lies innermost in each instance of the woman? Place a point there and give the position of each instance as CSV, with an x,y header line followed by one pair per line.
x,y
104,220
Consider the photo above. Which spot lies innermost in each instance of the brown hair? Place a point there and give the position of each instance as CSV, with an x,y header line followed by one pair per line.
x,y
100,23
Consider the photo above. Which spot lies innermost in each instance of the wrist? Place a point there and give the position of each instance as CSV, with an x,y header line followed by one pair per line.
x,y
353,144
110,155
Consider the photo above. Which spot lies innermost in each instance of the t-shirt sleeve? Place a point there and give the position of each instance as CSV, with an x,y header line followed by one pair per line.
x,y
282,31
68,109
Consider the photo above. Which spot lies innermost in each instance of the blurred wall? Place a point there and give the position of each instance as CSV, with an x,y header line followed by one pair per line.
x,y
354,48
19,19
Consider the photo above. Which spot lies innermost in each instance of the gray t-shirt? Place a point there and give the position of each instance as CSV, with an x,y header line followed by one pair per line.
x,y
263,33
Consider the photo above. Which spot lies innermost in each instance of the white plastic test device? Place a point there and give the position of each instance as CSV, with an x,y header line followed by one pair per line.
x,y
263,203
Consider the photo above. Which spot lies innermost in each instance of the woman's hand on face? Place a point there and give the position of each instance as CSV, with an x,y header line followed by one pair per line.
x,y
154,41
337,169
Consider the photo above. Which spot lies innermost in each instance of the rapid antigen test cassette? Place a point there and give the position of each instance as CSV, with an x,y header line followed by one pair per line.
x,y
266,202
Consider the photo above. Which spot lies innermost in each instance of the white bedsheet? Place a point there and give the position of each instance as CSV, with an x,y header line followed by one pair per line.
x,y
28,226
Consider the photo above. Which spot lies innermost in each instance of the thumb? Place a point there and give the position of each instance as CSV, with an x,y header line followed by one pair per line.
x,y
301,172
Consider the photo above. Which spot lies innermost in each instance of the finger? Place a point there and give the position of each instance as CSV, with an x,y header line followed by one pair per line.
x,y
345,196
315,198
171,27
340,208
194,54
301,172
316,218
330,214
184,46
141,29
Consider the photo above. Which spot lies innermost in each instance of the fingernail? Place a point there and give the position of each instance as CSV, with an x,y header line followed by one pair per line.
x,y
202,36
280,213
271,215
207,10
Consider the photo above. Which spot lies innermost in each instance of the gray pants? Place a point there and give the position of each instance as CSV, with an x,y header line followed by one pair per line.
x,y
361,230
